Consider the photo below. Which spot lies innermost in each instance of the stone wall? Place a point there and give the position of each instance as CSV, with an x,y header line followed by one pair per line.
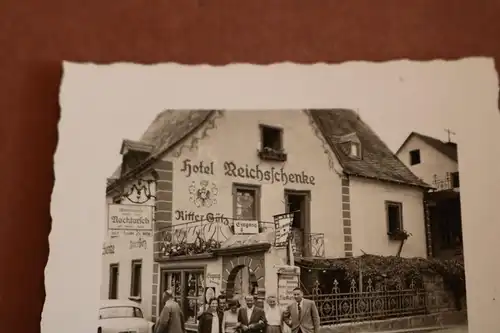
x,y
438,297
436,320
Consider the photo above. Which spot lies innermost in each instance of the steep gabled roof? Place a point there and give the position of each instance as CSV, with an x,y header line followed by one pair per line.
x,y
448,149
377,162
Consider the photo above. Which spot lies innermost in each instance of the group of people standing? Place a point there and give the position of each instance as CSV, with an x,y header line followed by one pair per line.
x,y
220,317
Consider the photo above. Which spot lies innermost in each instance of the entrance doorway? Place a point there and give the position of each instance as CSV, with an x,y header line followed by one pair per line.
x,y
298,202
245,282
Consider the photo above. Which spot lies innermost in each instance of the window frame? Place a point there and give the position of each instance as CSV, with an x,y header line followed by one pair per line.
x,y
280,130
400,208
247,187
183,299
117,287
134,263
411,152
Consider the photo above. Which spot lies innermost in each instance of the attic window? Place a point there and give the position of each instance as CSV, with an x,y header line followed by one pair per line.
x,y
415,157
355,149
271,139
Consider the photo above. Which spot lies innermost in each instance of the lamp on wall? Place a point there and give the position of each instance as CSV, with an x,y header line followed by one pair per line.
x,y
140,192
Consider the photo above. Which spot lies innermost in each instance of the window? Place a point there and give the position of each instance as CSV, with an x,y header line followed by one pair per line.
x,y
355,150
394,216
113,281
455,179
415,157
188,288
271,138
136,278
246,202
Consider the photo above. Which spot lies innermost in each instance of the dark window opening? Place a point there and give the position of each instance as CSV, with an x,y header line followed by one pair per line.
x,y
394,217
415,157
272,138
296,203
136,278
455,180
113,281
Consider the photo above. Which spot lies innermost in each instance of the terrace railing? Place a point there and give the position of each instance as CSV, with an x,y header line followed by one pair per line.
x,y
372,303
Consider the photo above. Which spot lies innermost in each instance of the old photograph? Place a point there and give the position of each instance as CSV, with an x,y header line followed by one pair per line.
x,y
213,209
273,199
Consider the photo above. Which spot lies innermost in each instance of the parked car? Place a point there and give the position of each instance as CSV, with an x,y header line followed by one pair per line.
x,y
122,316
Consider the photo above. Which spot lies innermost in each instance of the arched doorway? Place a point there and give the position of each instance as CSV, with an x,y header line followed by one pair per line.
x,y
243,275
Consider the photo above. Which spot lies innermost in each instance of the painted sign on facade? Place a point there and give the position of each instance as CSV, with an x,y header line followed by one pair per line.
x,y
130,217
286,284
108,249
242,227
264,174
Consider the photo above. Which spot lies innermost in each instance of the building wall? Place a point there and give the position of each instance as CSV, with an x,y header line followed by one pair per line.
x,y
369,219
125,253
432,161
236,138
123,256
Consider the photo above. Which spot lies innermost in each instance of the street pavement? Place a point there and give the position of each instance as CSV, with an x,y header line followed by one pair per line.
x,y
460,329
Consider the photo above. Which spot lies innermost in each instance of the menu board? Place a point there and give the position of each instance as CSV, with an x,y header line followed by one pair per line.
x,y
286,284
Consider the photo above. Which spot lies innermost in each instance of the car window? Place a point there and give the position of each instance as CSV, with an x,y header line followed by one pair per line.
x,y
120,312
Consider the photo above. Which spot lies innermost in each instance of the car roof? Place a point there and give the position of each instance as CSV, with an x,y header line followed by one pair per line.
x,y
118,302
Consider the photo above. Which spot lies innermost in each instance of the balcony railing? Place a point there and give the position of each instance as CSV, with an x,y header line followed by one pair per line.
x,y
451,180
193,238
308,244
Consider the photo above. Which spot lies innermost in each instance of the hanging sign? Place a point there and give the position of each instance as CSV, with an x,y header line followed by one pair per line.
x,y
282,227
130,217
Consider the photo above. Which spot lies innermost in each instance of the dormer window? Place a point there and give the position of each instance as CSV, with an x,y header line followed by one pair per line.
x,y
271,148
355,150
350,145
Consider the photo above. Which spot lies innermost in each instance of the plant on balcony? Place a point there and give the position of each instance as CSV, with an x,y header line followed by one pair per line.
x,y
400,235
268,153
199,246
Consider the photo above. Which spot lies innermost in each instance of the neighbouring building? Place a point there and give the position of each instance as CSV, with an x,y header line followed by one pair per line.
x,y
217,178
436,163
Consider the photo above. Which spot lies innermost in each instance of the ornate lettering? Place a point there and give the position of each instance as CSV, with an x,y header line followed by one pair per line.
x,y
140,243
189,168
190,216
109,249
272,175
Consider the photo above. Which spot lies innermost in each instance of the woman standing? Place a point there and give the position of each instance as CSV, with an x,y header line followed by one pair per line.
x,y
274,316
230,320
210,321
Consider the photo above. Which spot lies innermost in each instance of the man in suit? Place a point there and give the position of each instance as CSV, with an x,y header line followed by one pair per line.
x,y
302,314
251,318
171,318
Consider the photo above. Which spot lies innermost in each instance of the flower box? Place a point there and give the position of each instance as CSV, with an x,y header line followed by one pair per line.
x,y
272,155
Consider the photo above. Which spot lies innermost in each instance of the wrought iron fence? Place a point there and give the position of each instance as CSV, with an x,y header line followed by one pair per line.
x,y
449,181
371,303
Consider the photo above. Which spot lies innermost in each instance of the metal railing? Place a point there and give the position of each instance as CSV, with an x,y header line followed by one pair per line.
x,y
371,303
308,244
449,181
204,236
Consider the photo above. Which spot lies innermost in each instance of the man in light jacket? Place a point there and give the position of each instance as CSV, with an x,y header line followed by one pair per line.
x,y
303,315
171,319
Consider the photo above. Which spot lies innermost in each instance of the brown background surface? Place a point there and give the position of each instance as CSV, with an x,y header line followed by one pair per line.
x,y
35,36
